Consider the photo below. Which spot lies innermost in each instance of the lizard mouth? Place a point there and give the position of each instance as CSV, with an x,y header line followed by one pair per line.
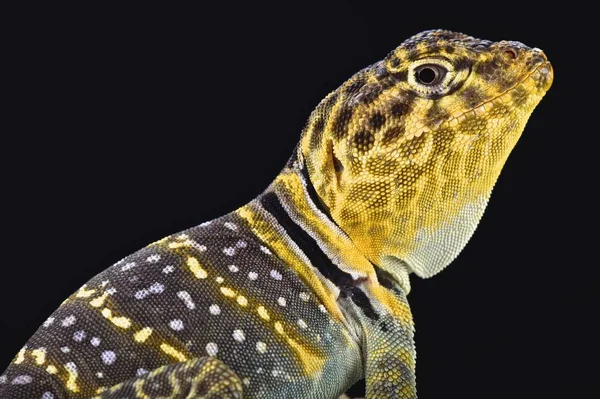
x,y
537,82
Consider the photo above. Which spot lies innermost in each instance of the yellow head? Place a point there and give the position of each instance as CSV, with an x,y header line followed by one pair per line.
x,y
406,152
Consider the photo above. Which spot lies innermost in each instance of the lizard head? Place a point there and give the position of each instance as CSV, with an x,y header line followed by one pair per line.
x,y
405,154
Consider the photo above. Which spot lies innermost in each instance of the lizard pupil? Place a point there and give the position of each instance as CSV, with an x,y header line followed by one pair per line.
x,y
427,75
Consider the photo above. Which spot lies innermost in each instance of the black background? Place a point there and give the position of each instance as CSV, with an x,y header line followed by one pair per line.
x,y
123,126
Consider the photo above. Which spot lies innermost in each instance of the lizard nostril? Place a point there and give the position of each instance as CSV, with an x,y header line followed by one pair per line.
x,y
510,53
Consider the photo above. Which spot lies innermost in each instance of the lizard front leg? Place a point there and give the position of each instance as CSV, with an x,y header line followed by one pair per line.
x,y
390,371
388,345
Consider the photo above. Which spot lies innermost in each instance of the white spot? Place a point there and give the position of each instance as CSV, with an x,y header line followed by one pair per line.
x,y
265,250
48,321
126,267
105,282
281,301
229,251
156,288
219,279
141,294
168,269
109,357
176,324
65,349
275,274
182,237
239,335
241,244
259,370
206,224
68,321
47,395
72,367
2,379
230,226
252,275
141,372
95,341
234,268
22,380
153,258
212,349
304,296
214,309
322,308
111,290
246,381
276,373
99,374
187,299
302,323
197,246
79,336
261,347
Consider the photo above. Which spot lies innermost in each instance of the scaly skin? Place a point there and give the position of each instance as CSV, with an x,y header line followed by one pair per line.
x,y
303,291
401,169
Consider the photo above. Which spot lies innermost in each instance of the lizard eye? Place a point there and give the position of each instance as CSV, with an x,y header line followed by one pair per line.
x,y
430,74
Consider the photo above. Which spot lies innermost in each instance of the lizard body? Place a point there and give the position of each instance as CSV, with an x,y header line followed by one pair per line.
x,y
302,291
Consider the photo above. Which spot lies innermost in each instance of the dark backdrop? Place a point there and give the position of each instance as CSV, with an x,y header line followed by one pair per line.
x,y
128,125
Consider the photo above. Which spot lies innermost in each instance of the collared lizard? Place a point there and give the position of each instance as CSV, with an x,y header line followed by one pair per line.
x,y
302,292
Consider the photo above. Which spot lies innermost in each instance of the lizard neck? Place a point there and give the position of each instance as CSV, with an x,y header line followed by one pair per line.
x,y
300,215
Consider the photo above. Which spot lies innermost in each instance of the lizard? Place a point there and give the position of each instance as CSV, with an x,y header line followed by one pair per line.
x,y
303,291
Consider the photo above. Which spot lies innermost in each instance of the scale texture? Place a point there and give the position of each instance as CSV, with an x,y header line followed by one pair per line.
x,y
303,291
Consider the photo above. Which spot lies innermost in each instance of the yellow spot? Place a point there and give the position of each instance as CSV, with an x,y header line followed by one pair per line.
x,y
169,350
195,267
159,241
101,389
97,302
228,292
84,293
174,245
262,312
51,369
143,334
122,322
20,356
39,355
279,327
71,383
242,300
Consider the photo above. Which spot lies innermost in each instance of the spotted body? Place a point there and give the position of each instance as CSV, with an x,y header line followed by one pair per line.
x,y
303,291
